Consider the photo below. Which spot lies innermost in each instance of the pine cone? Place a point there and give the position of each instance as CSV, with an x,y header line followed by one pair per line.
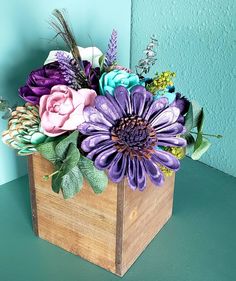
x,y
24,131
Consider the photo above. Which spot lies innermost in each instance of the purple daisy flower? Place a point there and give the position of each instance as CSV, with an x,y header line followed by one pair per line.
x,y
124,132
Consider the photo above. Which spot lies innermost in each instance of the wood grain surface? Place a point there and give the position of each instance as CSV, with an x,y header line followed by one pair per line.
x,y
110,229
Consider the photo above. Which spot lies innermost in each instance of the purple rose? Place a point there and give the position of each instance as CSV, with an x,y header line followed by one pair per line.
x,y
40,82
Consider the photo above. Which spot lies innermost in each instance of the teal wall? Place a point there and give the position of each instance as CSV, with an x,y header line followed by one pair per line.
x,y
197,40
26,40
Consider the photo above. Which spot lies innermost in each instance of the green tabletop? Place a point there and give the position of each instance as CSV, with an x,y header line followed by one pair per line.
x,y
197,244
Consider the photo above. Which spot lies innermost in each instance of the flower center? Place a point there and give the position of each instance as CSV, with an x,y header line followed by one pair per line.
x,y
134,136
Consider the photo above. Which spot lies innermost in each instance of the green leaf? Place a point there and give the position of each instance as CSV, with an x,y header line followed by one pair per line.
x,y
200,121
101,61
97,179
201,149
71,183
198,140
192,117
47,150
57,182
72,159
190,142
62,147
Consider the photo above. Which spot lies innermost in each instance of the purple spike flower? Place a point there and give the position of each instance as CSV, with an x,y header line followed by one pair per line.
x,y
70,71
124,132
111,54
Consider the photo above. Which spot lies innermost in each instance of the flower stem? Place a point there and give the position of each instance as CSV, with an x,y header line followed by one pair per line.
x,y
209,135
47,177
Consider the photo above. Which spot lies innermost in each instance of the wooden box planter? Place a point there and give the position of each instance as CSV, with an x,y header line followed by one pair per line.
x,y
110,229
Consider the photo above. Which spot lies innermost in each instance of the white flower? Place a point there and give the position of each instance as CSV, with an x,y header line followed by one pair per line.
x,y
91,54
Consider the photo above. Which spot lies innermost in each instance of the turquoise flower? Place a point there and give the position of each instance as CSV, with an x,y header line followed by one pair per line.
x,y
109,81
170,96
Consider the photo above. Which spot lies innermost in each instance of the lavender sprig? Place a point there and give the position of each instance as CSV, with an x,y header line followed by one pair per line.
x,y
70,70
111,54
145,64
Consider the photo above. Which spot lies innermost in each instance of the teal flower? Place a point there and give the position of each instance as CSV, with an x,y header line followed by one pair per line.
x,y
164,94
109,81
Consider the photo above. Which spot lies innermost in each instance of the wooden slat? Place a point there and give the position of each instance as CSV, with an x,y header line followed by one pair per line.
x,y
145,213
84,225
33,195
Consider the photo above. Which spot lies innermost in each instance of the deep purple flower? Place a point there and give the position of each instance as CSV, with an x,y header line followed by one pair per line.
x,y
40,82
125,131
183,104
92,75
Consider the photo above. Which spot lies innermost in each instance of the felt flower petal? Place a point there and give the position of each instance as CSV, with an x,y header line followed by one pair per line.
x,y
106,108
121,95
89,128
94,141
156,107
171,141
118,167
170,130
91,114
166,117
105,158
154,172
166,159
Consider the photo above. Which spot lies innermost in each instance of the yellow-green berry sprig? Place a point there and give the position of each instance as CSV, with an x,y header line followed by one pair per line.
x,y
178,152
161,82
167,172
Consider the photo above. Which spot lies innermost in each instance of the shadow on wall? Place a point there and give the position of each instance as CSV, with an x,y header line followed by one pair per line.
x,y
15,75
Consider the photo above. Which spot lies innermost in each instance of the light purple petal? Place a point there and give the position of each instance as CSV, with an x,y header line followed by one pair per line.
x,y
131,173
136,174
115,104
89,128
141,176
118,168
94,141
156,108
105,158
91,114
171,141
154,172
166,159
121,95
106,108
104,146
166,117
171,130
139,96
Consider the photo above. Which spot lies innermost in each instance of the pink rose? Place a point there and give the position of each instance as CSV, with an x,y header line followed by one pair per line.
x,y
62,110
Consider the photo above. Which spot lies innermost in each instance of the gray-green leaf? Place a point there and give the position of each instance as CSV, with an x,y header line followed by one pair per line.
x,y
62,147
200,121
72,183
192,117
47,150
72,158
201,149
57,182
190,142
101,61
97,179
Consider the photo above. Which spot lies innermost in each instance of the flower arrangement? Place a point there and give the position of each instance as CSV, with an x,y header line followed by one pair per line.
x,y
95,119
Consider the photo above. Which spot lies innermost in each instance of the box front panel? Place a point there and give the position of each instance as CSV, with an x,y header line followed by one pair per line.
x,y
145,213
84,225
